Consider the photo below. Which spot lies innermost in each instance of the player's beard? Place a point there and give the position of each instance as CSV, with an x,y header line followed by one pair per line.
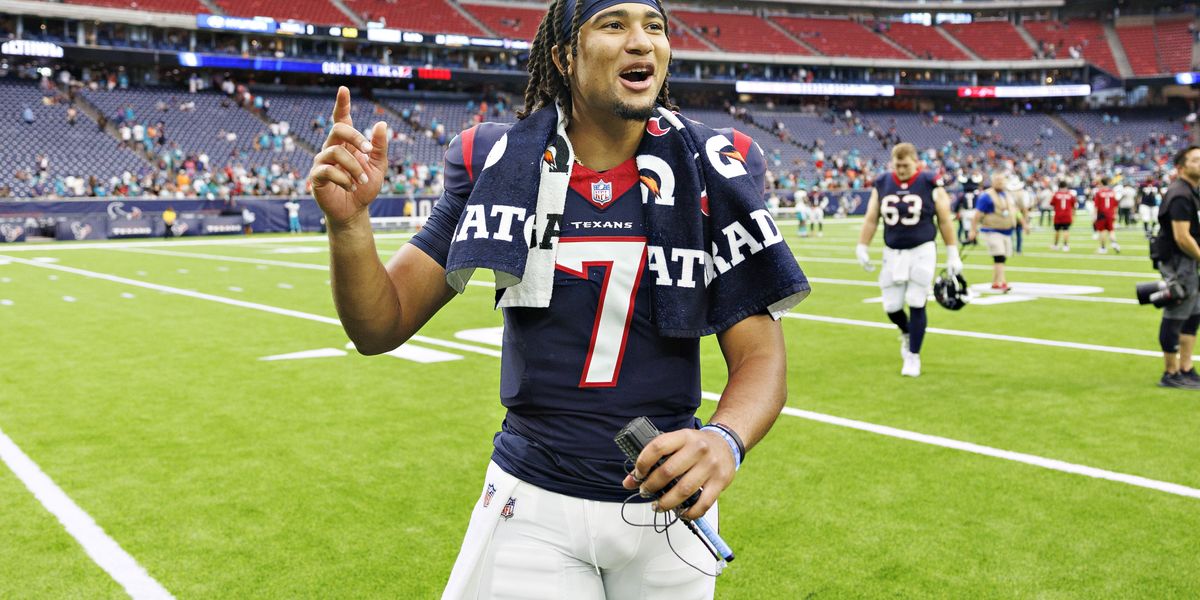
x,y
632,112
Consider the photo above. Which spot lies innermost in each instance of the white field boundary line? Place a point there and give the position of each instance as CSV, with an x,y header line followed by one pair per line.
x,y
229,301
1011,269
261,261
1047,463
1070,297
982,336
54,246
102,549
1029,459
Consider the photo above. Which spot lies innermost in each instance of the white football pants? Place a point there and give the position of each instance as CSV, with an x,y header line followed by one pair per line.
x,y
547,545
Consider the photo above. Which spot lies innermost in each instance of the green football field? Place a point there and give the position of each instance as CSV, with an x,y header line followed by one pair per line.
x,y
197,400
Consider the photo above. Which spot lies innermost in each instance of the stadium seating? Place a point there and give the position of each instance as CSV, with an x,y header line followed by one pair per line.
x,y
426,16
682,39
839,37
1085,34
739,32
171,6
81,150
924,41
201,130
1140,47
992,40
1137,128
1174,45
508,21
310,11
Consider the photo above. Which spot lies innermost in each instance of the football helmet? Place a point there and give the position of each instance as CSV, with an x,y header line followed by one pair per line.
x,y
951,291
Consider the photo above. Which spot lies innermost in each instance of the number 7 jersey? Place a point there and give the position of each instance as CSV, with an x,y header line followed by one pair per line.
x,y
574,373
907,209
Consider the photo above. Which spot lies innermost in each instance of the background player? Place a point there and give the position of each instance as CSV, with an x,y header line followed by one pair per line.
x,y
908,200
1149,199
1064,202
1105,203
816,213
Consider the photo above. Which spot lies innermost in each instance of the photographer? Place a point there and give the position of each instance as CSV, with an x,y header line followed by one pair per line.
x,y
1178,256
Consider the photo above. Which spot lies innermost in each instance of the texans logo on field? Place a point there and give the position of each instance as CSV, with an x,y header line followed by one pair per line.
x,y
487,496
11,233
81,230
602,192
509,507
654,127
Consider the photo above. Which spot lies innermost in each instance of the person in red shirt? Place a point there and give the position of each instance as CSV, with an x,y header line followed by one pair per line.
x,y
1064,203
1105,200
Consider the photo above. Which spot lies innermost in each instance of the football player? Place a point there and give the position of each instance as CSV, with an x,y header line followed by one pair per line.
x,y
913,206
1064,203
1104,199
550,519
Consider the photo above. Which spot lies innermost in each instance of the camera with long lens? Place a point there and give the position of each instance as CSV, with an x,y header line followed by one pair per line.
x,y
1160,293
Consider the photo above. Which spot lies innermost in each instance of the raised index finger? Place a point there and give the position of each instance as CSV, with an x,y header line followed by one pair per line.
x,y
341,107
341,133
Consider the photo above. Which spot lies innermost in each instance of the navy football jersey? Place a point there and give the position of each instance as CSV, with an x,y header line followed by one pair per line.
x,y
907,209
576,372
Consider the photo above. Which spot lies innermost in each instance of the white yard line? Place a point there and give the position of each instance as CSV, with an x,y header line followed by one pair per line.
x,y
234,241
982,336
1082,254
1011,269
102,549
1069,297
1029,459
1047,463
236,259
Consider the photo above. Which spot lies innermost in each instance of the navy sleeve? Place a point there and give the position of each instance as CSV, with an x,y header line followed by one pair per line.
x,y
465,158
984,203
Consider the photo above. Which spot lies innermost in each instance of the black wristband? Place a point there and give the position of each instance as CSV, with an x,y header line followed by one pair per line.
x,y
733,434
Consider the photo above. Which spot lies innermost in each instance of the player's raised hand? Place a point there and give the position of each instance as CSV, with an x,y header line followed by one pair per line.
x,y
348,173
700,460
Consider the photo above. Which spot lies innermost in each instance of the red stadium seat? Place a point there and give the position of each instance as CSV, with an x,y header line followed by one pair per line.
x,y
839,37
1140,47
1174,45
924,41
321,12
739,32
189,7
1085,34
992,40
508,21
425,16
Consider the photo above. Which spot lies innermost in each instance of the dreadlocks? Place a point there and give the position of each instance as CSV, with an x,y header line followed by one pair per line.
x,y
546,83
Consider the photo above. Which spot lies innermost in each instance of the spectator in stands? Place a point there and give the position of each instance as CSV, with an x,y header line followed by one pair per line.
x,y
72,114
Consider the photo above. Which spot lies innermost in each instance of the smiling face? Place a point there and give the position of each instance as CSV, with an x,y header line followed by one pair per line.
x,y
622,62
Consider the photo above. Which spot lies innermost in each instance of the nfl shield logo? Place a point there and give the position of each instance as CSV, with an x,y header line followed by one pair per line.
x,y
509,507
602,192
487,496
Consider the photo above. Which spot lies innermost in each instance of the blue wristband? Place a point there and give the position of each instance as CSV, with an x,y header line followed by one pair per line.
x,y
733,446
